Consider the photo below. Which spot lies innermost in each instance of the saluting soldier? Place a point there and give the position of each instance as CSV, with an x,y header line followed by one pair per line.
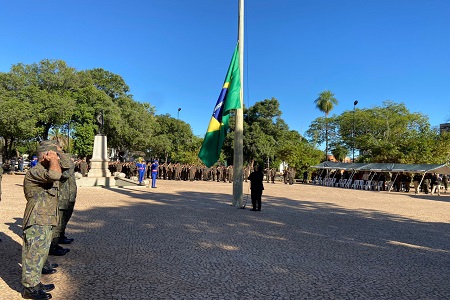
x,y
41,213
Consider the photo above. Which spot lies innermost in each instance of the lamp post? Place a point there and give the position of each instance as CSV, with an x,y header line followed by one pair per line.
x,y
178,131
353,132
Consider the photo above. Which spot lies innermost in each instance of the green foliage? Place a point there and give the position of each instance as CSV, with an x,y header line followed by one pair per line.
x,y
84,139
173,140
326,102
388,133
46,98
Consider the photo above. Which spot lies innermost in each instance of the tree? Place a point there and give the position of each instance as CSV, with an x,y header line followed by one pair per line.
x,y
389,133
339,152
48,86
325,103
174,140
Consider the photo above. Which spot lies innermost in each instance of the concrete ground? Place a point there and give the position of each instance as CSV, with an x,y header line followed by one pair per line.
x,y
183,240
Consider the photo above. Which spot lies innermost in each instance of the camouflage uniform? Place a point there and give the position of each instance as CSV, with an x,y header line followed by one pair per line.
x,y
273,173
84,167
41,213
291,175
1,176
67,192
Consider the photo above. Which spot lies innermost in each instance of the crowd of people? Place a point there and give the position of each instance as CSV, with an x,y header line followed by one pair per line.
x,y
192,172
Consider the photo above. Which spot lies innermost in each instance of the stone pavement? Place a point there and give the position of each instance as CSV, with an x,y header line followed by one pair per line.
x,y
183,240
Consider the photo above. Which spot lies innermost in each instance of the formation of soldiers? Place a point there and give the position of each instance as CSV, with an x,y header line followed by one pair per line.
x,y
177,171
190,172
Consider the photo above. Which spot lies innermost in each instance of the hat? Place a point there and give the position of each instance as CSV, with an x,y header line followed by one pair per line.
x,y
49,142
45,148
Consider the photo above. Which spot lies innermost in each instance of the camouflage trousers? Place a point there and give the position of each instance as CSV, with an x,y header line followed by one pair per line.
x,y
36,244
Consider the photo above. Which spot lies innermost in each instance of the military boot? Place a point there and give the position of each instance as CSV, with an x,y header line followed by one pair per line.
x,y
46,287
35,293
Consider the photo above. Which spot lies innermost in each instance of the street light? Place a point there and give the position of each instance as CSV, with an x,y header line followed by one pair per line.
x,y
353,132
178,131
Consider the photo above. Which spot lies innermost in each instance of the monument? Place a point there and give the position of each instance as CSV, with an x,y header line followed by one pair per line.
x,y
99,174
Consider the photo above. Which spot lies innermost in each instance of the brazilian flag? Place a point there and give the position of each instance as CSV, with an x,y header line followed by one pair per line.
x,y
230,98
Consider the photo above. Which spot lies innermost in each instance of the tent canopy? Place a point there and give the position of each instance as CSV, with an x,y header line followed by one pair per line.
x,y
385,167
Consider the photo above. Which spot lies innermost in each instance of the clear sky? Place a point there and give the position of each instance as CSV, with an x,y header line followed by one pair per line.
x,y
175,53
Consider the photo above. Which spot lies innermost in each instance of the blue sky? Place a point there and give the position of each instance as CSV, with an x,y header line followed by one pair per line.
x,y
175,53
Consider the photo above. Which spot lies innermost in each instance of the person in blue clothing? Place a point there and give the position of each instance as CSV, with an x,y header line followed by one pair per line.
x,y
154,169
141,166
34,162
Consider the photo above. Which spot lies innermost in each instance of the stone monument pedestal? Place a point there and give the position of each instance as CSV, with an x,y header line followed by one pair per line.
x,y
99,174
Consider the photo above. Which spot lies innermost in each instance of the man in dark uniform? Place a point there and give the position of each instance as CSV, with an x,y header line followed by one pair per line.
x,y
256,188
285,176
41,213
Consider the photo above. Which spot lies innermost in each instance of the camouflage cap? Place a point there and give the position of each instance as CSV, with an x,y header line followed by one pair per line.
x,y
49,142
45,148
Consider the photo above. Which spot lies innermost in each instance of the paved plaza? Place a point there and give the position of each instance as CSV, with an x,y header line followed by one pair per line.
x,y
183,240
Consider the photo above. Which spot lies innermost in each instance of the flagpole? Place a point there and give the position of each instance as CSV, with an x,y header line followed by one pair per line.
x,y
238,159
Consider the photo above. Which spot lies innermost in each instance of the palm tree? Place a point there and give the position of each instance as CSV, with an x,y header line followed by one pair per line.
x,y
325,103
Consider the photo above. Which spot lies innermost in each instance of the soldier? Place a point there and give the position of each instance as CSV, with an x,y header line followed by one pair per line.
x,y
141,166
119,167
230,173
67,196
224,174
291,175
285,176
246,173
219,173
213,173
444,182
272,175
1,175
169,171
256,188
41,190
192,171
154,168
65,164
178,170
84,167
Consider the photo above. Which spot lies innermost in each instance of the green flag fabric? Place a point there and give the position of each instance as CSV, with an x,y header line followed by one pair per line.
x,y
229,99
